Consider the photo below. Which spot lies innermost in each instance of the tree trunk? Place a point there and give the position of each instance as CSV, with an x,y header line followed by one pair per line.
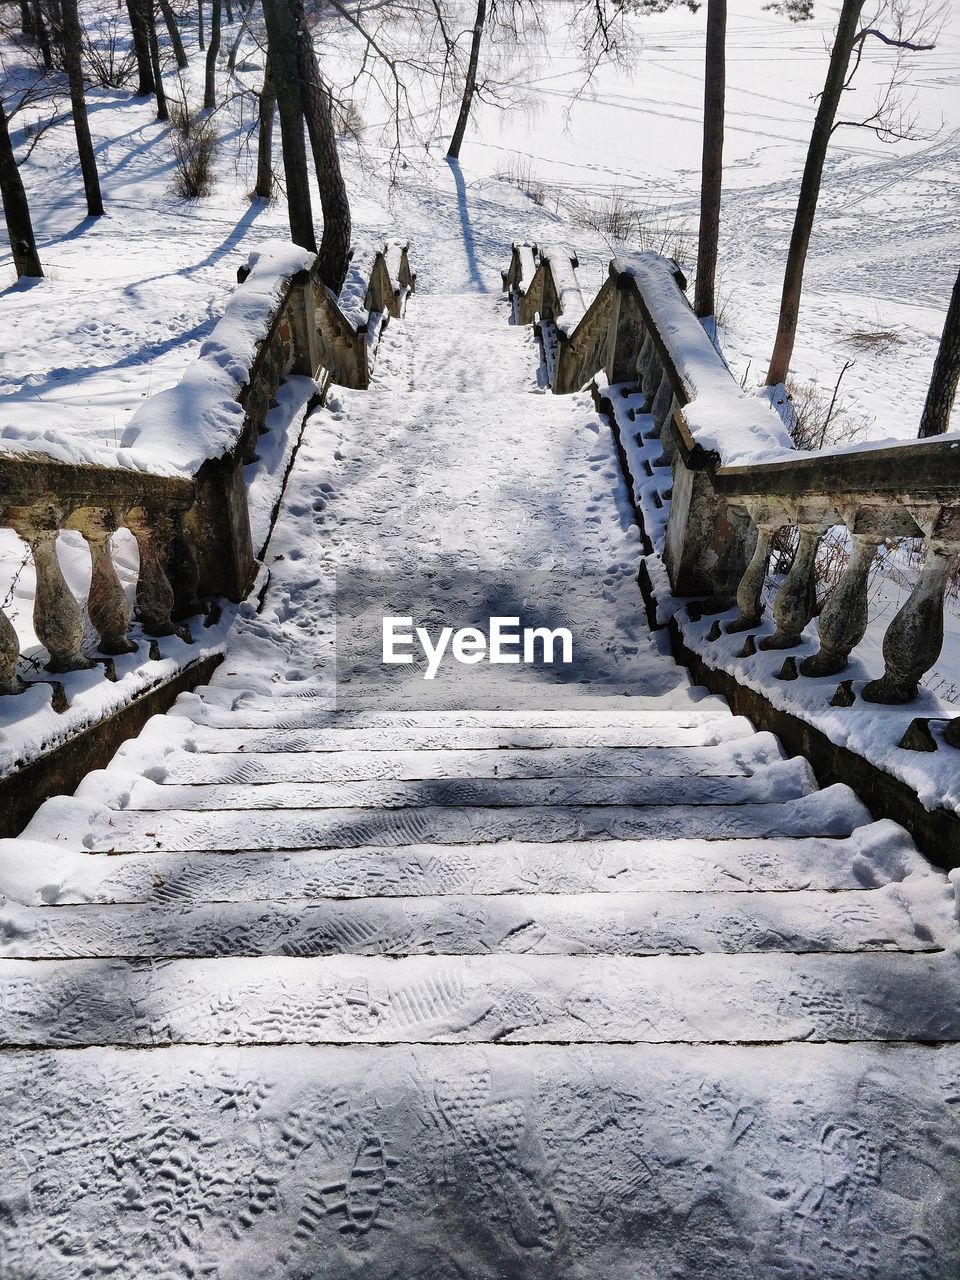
x,y
72,57
235,47
213,52
946,373
470,84
282,54
847,29
27,25
268,107
711,179
229,11
334,254
16,211
141,46
162,112
43,40
173,31
200,40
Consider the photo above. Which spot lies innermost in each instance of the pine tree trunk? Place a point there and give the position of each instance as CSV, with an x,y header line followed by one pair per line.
x,y
43,40
470,84
213,52
268,108
141,47
946,373
334,254
73,60
27,25
282,54
711,180
162,112
826,116
200,39
173,31
16,211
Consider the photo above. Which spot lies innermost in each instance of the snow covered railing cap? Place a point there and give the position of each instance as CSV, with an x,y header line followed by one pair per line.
x,y
554,291
518,276
717,418
349,325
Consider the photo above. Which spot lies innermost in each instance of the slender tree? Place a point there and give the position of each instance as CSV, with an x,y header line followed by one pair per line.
x,y
267,111
213,52
72,56
27,27
848,43
282,53
173,31
946,373
711,181
42,36
151,17
16,211
200,39
238,39
136,10
334,253
469,83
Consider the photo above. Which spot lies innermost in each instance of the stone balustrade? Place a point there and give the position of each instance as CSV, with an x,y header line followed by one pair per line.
x,y
738,485
349,327
192,529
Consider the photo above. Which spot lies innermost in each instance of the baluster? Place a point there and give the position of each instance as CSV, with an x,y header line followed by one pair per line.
x,y
750,590
660,409
57,616
796,601
183,571
843,619
915,636
649,366
107,603
10,682
155,598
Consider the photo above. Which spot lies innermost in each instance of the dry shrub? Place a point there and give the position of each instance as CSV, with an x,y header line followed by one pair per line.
x,y
194,147
648,226
518,172
348,120
108,55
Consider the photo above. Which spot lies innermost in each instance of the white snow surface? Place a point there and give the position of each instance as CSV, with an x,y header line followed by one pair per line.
x,y
340,1000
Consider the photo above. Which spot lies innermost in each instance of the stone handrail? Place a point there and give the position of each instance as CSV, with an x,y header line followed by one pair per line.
x,y
738,483
177,480
349,327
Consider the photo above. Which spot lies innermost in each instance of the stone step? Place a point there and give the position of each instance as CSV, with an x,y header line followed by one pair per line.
x,y
874,855
897,917
444,1162
741,757
227,737
784,780
834,811
612,713
520,999
546,694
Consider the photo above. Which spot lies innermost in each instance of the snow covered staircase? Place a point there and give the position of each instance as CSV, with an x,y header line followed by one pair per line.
x,y
521,876
589,981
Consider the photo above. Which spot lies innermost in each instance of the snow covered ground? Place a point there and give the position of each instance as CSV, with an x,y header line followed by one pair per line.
x,y
537,981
